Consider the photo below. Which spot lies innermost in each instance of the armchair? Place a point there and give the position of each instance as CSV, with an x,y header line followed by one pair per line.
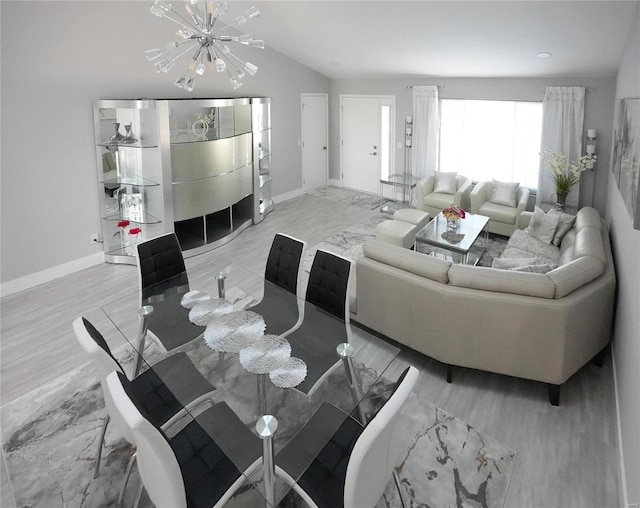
x,y
503,218
433,202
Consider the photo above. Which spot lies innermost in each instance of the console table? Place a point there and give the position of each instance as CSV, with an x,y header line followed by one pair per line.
x,y
397,181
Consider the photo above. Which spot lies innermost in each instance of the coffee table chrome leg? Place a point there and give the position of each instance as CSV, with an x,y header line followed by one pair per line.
x,y
144,313
345,352
266,428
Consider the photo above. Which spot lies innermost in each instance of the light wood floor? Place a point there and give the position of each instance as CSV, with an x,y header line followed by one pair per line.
x,y
566,456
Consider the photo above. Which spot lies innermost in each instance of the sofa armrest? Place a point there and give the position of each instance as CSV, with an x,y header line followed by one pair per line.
x,y
523,200
424,187
479,195
461,198
525,219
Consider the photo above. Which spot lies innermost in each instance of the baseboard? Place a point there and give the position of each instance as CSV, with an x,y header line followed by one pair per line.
x,y
624,496
35,279
287,196
335,183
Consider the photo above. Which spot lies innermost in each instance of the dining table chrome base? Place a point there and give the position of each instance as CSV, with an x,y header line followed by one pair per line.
x,y
266,428
345,352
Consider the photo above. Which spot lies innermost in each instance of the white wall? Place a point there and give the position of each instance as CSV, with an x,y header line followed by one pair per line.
x,y
599,110
626,249
58,57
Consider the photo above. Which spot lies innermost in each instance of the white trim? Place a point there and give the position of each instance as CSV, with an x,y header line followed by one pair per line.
x,y
324,96
288,195
55,272
334,182
624,496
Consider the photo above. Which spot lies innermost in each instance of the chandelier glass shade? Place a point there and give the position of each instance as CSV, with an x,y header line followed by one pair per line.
x,y
199,37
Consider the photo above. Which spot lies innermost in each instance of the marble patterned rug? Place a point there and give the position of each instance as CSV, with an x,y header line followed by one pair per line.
x,y
50,437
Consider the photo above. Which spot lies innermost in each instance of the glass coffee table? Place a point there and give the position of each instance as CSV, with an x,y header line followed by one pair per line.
x,y
462,243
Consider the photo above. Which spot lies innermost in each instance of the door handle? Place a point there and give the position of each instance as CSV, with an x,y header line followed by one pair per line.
x,y
324,147
373,153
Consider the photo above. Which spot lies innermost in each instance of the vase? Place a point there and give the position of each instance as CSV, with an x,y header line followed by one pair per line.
x,y
561,198
452,225
117,137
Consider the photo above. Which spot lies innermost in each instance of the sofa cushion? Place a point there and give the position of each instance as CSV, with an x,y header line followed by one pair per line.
x,y
438,200
504,193
504,281
533,268
575,274
445,182
565,223
588,217
415,262
589,243
542,225
522,245
509,263
498,213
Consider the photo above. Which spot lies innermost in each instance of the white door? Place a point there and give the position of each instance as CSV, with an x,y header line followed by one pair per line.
x,y
314,140
366,138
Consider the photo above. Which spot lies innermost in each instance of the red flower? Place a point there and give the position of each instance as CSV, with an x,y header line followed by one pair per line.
x,y
135,231
123,224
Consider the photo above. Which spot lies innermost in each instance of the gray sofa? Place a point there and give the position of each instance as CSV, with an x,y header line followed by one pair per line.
x,y
542,327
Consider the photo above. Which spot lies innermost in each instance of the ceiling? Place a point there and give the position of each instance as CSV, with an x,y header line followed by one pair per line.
x,y
361,39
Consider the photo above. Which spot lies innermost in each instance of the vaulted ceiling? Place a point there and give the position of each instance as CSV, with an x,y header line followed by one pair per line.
x,y
400,39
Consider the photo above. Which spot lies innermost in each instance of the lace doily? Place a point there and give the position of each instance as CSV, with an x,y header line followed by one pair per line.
x,y
205,311
290,374
269,353
193,298
235,331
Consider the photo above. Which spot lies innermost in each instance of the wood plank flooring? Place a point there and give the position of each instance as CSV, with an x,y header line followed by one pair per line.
x,y
566,456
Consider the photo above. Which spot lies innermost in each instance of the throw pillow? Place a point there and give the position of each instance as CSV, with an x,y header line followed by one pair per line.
x,y
542,226
565,223
511,263
504,193
445,182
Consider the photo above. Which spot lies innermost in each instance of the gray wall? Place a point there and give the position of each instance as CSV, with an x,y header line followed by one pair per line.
x,y
626,246
599,110
74,53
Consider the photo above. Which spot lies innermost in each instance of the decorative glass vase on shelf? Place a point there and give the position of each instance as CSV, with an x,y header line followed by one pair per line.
x,y
452,225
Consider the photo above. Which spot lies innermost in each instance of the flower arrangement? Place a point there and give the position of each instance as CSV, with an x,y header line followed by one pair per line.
x,y
453,213
565,174
123,224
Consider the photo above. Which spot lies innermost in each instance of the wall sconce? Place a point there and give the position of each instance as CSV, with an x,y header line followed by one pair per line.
x,y
591,146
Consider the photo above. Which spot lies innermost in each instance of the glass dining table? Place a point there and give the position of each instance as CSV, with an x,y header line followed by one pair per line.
x,y
206,313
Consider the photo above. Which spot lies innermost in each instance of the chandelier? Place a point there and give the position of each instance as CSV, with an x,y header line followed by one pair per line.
x,y
199,36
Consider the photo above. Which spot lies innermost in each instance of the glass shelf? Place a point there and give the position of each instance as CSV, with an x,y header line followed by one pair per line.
x,y
147,218
139,144
137,181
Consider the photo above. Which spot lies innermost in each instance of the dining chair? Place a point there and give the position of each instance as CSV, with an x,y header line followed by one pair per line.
x,y
164,390
326,321
356,463
281,306
162,278
191,468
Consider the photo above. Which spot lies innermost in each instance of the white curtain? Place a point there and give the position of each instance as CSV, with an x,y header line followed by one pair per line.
x,y
562,122
426,131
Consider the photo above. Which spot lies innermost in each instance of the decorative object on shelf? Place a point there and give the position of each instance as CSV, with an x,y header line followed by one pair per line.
x,y
131,206
265,355
129,138
591,147
122,226
290,374
198,33
565,174
453,214
200,128
117,137
134,235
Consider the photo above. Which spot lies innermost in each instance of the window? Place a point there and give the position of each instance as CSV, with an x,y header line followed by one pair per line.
x,y
491,139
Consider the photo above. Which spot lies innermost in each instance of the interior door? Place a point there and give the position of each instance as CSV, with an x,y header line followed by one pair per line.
x,y
361,143
314,140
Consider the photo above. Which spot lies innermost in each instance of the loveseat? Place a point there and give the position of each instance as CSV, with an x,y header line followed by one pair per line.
x,y
538,326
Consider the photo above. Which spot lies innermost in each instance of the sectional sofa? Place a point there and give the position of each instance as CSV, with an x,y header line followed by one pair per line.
x,y
538,326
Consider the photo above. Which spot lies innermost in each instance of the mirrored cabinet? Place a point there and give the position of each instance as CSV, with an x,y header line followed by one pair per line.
x,y
199,167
